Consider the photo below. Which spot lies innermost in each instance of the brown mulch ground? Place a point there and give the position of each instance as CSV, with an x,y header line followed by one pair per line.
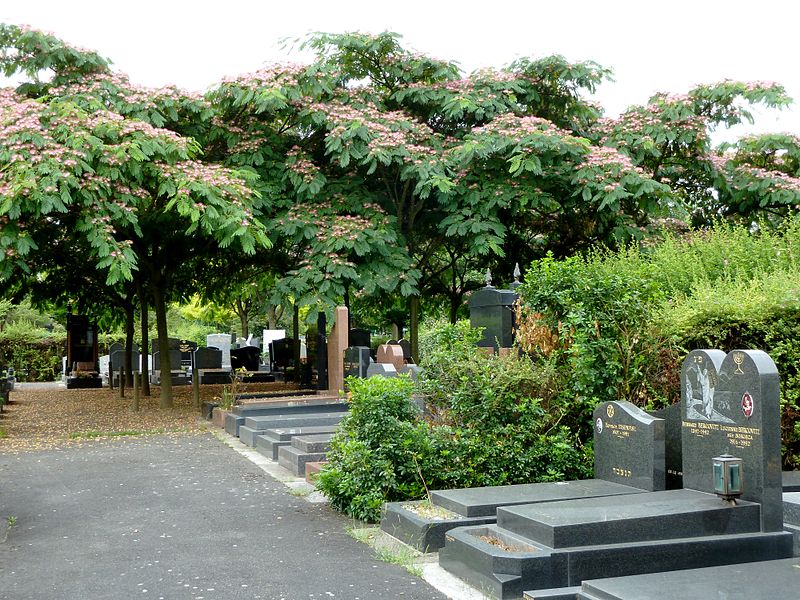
x,y
54,418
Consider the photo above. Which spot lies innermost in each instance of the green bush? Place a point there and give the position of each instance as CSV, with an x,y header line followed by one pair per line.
x,y
33,359
590,320
483,426
373,457
615,325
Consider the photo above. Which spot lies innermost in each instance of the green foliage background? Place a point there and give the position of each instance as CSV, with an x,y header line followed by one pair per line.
x,y
625,319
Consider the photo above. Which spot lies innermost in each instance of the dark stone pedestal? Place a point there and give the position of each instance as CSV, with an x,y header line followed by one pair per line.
x,y
75,383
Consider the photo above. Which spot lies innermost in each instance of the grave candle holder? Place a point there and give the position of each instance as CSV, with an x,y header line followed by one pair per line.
x,y
727,477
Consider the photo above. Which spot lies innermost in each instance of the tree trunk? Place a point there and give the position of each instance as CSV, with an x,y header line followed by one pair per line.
x,y
145,315
413,327
160,306
130,325
455,303
241,311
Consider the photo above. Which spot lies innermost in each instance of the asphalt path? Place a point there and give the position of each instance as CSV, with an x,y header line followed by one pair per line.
x,y
176,517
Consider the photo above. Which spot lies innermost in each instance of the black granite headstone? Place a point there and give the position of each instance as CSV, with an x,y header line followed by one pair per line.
x,y
174,359
173,343
628,446
673,461
359,337
281,353
117,358
731,405
406,346
492,309
356,361
208,358
246,357
187,349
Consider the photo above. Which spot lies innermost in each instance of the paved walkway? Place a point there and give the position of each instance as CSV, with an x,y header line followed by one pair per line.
x,y
176,517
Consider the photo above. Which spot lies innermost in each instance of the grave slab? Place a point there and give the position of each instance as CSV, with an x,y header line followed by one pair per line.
x,y
766,579
482,502
424,528
621,519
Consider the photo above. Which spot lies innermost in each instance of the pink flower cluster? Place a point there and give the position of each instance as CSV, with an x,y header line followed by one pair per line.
x,y
300,164
510,125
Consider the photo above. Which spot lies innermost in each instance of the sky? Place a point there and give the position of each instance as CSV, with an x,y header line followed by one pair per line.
x,y
670,45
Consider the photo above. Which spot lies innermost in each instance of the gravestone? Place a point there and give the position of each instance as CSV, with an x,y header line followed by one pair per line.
x,y
412,370
356,361
115,347
406,346
381,370
174,359
173,343
731,405
281,353
117,358
628,446
222,341
492,309
246,358
359,337
208,358
392,355
673,461
187,349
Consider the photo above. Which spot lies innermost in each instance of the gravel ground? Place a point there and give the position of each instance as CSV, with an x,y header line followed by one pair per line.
x,y
50,416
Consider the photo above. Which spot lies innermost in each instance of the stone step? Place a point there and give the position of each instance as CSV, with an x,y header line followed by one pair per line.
x,y
293,420
319,442
255,407
247,435
279,414
312,470
295,460
634,518
268,442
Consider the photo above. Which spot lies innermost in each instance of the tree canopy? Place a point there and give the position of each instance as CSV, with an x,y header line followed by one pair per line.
x,y
373,168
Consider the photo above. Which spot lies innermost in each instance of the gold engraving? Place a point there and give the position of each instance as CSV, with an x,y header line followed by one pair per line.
x,y
610,411
621,472
738,358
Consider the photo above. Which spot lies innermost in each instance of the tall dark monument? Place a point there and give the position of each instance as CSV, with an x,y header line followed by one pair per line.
x,y
82,365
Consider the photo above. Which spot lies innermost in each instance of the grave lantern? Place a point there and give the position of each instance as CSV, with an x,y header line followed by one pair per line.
x,y
727,476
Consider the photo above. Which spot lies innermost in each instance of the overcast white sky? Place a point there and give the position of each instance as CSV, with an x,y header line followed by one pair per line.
x,y
668,45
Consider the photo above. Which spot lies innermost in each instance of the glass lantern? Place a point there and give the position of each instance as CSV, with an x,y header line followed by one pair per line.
x,y
727,476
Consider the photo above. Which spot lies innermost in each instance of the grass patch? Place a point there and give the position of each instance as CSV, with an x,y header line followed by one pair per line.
x,y
395,554
300,492
3,433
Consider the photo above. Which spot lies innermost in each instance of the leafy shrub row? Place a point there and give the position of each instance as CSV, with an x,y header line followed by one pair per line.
x,y
484,425
32,359
616,325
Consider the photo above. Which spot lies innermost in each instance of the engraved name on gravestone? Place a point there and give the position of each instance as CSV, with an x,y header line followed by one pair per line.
x,y
628,446
731,405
